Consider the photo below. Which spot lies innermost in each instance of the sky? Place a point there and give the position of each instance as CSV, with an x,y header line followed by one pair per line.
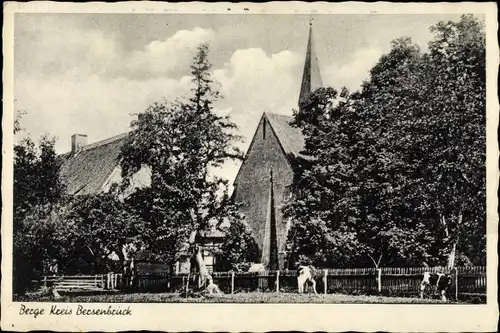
x,y
92,73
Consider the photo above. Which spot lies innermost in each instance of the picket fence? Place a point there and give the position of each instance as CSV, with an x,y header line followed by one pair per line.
x,y
390,281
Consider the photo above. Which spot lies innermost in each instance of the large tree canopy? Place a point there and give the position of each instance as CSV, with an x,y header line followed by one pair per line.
x,y
179,142
398,169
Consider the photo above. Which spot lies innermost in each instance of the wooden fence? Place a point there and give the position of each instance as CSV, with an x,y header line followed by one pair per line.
x,y
467,281
76,282
390,281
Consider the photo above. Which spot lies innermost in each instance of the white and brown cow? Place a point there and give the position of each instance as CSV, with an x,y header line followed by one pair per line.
x,y
439,281
306,274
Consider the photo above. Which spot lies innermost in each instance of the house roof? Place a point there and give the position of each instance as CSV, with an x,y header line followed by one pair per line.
x,y
86,171
291,138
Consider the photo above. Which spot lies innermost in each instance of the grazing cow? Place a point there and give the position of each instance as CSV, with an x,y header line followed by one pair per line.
x,y
438,280
306,274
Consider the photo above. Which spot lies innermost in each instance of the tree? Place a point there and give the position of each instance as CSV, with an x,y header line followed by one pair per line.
x,y
456,120
80,233
101,226
390,226
179,142
319,232
36,187
36,178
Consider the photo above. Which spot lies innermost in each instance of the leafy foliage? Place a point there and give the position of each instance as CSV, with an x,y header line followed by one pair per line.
x,y
102,226
239,249
36,178
398,171
36,187
81,233
179,142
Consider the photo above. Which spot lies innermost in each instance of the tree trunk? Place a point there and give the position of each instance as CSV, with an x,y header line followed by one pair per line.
x,y
453,251
451,256
203,275
121,258
205,280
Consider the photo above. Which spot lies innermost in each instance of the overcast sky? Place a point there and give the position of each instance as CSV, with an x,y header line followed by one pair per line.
x,y
88,73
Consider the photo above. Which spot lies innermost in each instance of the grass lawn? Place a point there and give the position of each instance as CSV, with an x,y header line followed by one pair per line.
x,y
255,297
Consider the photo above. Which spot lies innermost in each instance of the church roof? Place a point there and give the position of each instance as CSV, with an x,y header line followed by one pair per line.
x,y
311,77
86,171
291,138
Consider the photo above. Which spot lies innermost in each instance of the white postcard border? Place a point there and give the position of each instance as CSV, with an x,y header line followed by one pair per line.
x,y
259,317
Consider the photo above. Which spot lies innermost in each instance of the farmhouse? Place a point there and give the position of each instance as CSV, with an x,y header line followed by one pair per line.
x,y
262,183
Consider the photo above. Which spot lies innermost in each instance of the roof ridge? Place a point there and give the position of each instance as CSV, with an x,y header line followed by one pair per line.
x,y
105,141
279,114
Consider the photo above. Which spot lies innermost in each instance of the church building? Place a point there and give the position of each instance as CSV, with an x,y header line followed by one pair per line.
x,y
262,183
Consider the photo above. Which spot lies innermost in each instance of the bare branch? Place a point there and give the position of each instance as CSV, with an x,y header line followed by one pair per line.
x,y
380,258
374,262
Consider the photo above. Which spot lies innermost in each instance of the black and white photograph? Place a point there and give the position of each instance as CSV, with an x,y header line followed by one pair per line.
x,y
248,157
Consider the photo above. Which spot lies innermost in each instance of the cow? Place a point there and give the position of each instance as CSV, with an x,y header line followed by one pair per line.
x,y
306,274
438,280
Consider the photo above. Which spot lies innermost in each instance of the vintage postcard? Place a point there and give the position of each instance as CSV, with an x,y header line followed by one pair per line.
x,y
250,167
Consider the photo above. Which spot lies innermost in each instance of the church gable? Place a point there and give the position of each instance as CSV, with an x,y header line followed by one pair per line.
x,y
252,185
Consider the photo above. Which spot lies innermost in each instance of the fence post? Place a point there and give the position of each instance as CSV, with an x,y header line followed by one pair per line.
x,y
456,284
325,280
277,281
379,280
232,282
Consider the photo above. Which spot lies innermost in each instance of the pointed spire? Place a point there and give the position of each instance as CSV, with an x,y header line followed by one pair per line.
x,y
311,78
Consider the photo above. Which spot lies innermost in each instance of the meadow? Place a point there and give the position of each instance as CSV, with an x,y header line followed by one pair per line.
x,y
251,297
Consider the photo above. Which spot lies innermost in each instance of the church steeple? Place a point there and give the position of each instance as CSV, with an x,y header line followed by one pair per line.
x,y
311,78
